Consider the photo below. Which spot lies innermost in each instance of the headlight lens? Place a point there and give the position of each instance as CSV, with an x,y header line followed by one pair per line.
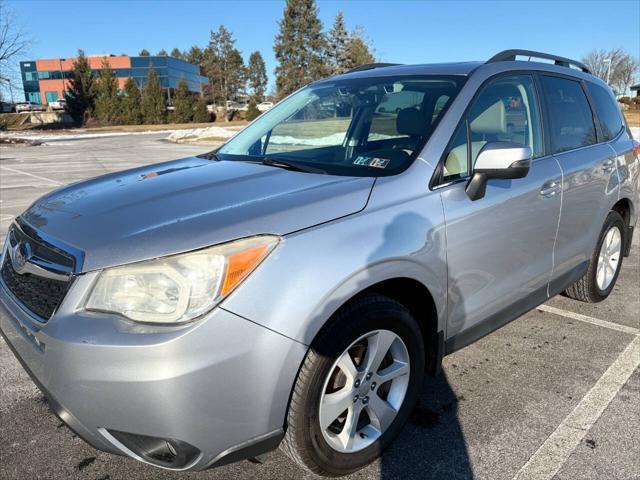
x,y
181,287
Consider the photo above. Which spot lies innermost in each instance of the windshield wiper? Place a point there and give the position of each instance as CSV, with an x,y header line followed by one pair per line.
x,y
210,156
286,164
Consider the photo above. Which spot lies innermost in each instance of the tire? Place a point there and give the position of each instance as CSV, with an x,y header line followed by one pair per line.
x,y
315,449
588,289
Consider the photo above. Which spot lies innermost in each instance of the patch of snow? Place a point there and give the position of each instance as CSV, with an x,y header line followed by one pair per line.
x,y
196,134
635,131
333,139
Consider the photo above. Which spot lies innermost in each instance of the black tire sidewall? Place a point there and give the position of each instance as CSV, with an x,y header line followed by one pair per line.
x,y
348,327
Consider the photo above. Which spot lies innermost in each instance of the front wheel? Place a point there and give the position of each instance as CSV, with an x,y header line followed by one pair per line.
x,y
604,266
356,387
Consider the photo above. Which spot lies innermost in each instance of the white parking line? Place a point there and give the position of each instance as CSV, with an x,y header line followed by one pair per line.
x,y
15,170
591,320
557,448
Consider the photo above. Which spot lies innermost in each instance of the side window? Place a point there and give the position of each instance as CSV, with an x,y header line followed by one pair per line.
x,y
607,110
506,110
570,117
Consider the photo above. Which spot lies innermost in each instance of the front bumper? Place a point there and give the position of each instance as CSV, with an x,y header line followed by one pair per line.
x,y
221,384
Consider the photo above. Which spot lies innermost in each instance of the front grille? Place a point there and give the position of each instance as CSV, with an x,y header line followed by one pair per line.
x,y
38,294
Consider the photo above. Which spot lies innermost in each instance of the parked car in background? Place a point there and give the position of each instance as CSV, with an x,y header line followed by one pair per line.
x,y
29,107
6,107
264,106
59,104
293,286
237,105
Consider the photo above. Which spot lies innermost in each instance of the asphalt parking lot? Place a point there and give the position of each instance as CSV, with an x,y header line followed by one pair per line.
x,y
554,394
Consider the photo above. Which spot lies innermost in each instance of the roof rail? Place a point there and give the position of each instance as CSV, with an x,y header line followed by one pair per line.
x,y
371,66
510,55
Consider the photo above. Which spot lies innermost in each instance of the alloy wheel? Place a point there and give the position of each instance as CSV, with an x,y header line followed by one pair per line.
x,y
609,258
364,391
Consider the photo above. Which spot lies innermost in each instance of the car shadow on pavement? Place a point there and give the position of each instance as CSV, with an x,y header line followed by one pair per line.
x,y
432,444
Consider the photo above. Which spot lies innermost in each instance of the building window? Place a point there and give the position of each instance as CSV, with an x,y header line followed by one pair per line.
x,y
51,96
34,97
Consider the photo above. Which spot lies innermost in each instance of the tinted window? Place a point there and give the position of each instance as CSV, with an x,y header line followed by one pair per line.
x,y
570,118
607,110
506,110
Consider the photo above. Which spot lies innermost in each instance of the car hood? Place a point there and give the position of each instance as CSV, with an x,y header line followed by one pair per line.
x,y
188,204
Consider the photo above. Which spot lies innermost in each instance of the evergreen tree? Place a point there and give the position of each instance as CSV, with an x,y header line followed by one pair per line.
x,y
194,55
153,106
201,115
183,103
299,47
107,104
257,75
337,42
131,103
224,66
176,53
144,53
80,94
162,53
252,110
358,51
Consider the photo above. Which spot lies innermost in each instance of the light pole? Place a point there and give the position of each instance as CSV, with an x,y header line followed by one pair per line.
x,y
608,60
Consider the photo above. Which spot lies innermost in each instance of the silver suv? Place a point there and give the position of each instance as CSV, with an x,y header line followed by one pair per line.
x,y
292,287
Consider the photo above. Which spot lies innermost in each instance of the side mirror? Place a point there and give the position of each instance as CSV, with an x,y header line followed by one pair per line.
x,y
503,160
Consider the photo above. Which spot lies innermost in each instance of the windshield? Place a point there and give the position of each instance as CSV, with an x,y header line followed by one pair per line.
x,y
360,127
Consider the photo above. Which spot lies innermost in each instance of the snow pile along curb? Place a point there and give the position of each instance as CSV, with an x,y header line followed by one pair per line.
x,y
201,134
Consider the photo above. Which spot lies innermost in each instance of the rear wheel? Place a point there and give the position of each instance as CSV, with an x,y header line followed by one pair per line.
x,y
604,266
356,387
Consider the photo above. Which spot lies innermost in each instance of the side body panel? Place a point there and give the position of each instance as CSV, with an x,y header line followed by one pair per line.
x,y
499,248
590,188
628,169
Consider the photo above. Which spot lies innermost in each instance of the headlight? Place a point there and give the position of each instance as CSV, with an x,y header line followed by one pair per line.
x,y
180,287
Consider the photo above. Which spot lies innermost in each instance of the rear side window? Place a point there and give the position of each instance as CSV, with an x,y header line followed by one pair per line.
x,y
607,110
570,117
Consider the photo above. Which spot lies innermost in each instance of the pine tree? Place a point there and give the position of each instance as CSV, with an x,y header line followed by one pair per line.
x,y
358,51
224,66
201,115
194,55
257,75
337,42
252,110
144,53
131,103
183,103
153,106
176,53
162,53
107,105
80,94
299,47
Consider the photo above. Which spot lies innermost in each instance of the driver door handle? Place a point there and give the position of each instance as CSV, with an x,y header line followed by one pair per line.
x,y
550,189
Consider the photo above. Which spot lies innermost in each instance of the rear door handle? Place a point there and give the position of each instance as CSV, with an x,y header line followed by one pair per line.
x,y
550,189
609,165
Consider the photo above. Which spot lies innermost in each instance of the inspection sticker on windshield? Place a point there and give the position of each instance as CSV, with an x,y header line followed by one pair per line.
x,y
374,162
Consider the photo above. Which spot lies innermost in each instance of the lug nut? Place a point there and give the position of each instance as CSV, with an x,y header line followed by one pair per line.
x,y
369,375
356,398
365,400
373,386
357,384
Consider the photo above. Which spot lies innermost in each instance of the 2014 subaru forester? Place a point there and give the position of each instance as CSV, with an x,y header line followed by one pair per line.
x,y
292,287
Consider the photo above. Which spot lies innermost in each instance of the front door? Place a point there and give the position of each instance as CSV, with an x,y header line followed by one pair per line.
x,y
500,247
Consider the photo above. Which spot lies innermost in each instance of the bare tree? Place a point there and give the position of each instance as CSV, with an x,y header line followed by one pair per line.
x,y
616,66
13,43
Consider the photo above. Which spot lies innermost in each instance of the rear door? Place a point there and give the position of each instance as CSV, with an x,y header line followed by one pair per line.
x,y
499,248
590,180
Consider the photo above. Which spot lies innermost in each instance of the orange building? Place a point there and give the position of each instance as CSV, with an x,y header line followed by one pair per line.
x,y
46,80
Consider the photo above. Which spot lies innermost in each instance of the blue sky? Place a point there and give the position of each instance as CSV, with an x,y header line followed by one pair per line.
x,y
401,31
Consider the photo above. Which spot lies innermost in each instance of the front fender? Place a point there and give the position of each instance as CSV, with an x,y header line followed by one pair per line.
x,y
314,272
